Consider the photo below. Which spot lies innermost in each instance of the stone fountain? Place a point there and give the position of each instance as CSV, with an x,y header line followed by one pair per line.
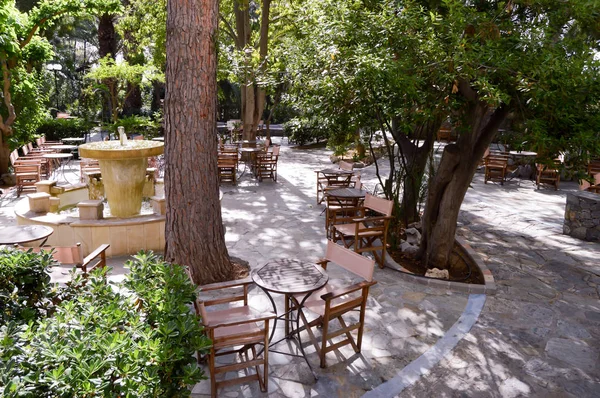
x,y
123,166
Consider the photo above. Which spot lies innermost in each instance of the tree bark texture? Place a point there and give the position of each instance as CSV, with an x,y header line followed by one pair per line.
x,y
107,36
107,44
414,166
448,187
252,96
195,235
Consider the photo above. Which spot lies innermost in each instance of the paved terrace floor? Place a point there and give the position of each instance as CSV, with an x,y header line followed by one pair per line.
x,y
538,336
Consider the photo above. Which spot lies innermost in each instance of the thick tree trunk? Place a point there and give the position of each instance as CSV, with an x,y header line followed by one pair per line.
x,y
107,44
253,97
415,161
4,155
107,36
195,235
449,186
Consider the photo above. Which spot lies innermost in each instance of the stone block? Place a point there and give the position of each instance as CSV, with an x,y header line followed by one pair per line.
x,y
148,190
159,205
579,233
54,204
39,202
44,186
56,190
91,210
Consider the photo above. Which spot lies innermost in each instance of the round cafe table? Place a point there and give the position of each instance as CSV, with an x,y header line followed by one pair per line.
x,y
62,159
19,234
73,139
290,277
63,147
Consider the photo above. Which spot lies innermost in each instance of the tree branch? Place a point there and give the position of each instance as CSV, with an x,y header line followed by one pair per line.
x,y
37,26
466,90
228,29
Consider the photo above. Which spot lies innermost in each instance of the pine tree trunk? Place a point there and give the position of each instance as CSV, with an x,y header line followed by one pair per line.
x,y
449,186
195,235
107,44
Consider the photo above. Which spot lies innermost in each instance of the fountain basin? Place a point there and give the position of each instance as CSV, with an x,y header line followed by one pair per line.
x,y
123,169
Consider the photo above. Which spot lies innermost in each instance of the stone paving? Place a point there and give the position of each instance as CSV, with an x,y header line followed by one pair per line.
x,y
537,336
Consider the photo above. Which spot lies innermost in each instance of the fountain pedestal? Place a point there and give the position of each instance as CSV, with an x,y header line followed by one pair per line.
x,y
123,169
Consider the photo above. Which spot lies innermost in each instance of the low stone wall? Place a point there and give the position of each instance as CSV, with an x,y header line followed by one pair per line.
x,y
582,216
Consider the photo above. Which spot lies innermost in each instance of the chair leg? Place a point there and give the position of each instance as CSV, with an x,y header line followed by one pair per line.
x,y
287,316
213,376
266,358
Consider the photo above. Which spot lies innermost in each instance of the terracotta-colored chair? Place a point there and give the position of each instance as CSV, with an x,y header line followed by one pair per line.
x,y
73,255
237,326
364,228
335,300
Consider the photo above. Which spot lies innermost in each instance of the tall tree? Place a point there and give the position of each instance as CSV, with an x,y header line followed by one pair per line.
x,y
194,231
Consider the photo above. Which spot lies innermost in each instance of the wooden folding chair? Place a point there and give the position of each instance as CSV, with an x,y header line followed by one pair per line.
x,y
548,174
357,228
27,174
73,255
496,164
242,327
334,302
227,163
266,164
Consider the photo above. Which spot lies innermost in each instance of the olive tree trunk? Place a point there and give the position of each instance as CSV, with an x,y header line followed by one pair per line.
x,y
449,185
194,232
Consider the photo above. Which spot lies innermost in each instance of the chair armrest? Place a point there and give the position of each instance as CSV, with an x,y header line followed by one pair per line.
x,y
263,316
225,285
345,290
99,252
346,209
379,218
322,262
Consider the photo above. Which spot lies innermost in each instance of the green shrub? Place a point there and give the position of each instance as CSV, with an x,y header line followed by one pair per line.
x,y
56,129
25,290
143,125
304,130
135,339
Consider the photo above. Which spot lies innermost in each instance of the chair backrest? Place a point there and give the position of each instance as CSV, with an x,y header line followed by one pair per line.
x,y
38,142
14,156
351,261
379,205
25,150
30,146
138,137
68,255
346,165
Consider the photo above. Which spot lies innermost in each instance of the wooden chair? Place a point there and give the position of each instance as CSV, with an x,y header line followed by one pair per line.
x,y
334,301
88,166
242,327
346,165
495,166
27,174
548,174
73,255
227,163
339,208
46,164
266,164
359,229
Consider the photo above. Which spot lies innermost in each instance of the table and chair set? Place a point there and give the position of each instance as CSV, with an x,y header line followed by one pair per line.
x,y
47,160
259,158
331,312
312,302
37,235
